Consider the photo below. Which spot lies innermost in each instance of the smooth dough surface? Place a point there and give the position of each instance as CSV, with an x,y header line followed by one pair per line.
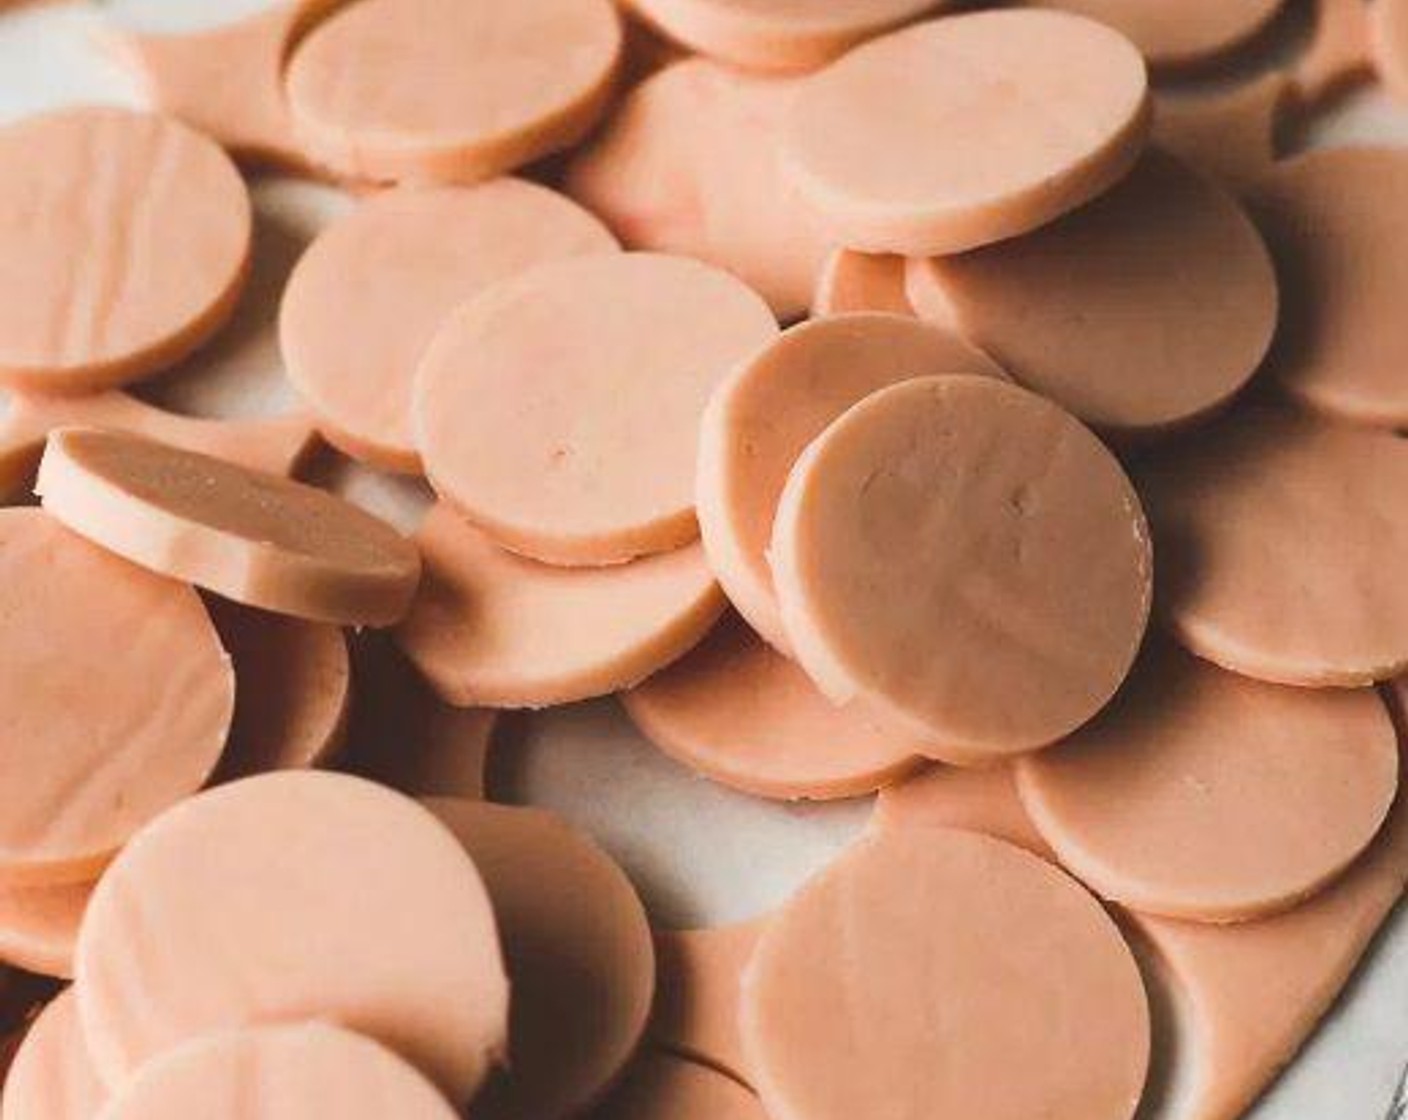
x,y
124,243
763,415
579,955
851,281
495,629
259,539
366,298
967,557
1281,541
1182,34
117,698
39,926
450,90
739,712
663,1087
1228,135
975,799
901,981
1389,37
963,131
52,1077
1203,795
365,910
560,410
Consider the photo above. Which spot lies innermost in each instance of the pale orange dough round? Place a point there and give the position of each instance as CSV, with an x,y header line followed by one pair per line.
x,y
365,300
1282,544
963,131
560,410
689,164
1230,136
663,1087
494,629
739,712
287,1072
124,243
968,558
1144,310
1203,795
1178,35
287,896
1340,239
450,90
975,799
761,418
39,926
257,538
785,35
579,953
52,1077
903,980
1389,39
851,281
293,690
117,698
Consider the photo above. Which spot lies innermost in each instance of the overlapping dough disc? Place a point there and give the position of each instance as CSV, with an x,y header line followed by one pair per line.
x,y
1181,34
52,1077
851,281
39,926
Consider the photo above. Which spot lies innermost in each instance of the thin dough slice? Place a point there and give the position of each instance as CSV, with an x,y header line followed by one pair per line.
x,y
579,955
256,538
560,410
451,90
395,935
491,628
689,165
366,298
975,799
39,927
52,1077
1229,136
288,1072
1341,52
1188,33
1144,310
108,277
851,281
1202,795
1281,542
662,1087
117,699
924,142
968,558
761,418
1341,244
901,980
737,711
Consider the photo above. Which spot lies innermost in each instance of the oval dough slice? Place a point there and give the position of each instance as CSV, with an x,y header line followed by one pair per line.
x,y
256,538
1144,310
761,418
494,629
662,1087
52,1077
1230,136
365,910
124,243
737,711
1199,794
1281,542
689,165
285,1072
450,90
975,799
967,557
39,927
1178,35
926,141
579,956
366,298
938,944
560,410
851,281
117,698
1341,246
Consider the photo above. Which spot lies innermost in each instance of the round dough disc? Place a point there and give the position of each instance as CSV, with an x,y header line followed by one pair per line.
x,y
1182,34
39,927
52,1077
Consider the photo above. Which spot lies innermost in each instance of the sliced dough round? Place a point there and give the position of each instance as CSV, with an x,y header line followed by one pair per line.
x,y
1178,35
116,695
689,165
364,910
777,34
1340,239
975,799
939,944
761,418
967,557
39,927
52,1077
124,243
851,281
579,952
1200,794
737,711
365,300
494,629
560,410
1282,544
450,90
287,1072
1228,135
1146,309
259,539
661,1087
927,141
